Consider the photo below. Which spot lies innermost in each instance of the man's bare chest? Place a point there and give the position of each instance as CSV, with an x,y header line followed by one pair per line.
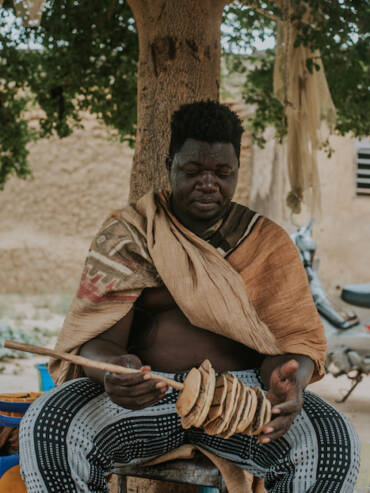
x,y
165,338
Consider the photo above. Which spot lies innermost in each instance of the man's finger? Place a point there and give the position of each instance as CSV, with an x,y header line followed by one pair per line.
x,y
148,400
142,388
275,428
282,391
272,436
279,423
288,369
124,380
140,402
288,407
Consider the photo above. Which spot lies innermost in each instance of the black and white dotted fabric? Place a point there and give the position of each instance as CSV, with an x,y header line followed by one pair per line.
x,y
71,436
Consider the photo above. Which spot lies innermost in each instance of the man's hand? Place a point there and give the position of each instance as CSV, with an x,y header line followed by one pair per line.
x,y
286,396
133,391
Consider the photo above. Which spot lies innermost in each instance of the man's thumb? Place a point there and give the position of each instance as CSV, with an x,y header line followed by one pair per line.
x,y
288,369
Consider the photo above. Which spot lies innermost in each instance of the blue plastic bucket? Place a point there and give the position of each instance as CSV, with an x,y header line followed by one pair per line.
x,y
45,380
8,461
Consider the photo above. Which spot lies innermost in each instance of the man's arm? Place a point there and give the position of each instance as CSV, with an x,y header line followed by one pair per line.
x,y
285,377
108,346
132,391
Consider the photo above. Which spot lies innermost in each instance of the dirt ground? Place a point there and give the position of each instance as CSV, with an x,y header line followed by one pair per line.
x,y
47,314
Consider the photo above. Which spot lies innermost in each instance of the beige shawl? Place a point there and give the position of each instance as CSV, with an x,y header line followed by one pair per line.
x,y
145,247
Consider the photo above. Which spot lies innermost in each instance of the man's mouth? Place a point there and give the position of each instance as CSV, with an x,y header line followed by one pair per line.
x,y
205,204
206,200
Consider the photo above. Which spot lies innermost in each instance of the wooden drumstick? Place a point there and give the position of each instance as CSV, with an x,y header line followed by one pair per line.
x,y
80,360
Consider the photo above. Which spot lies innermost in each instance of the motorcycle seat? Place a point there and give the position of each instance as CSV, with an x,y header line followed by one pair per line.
x,y
357,294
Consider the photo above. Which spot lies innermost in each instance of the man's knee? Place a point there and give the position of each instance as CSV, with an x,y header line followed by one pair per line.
x,y
338,446
48,418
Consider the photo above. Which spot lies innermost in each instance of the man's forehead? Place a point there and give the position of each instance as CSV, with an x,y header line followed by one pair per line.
x,y
196,148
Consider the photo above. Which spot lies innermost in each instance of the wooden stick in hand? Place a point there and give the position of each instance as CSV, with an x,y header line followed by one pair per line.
x,y
80,360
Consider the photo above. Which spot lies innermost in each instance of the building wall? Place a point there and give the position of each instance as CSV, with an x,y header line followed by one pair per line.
x,y
342,231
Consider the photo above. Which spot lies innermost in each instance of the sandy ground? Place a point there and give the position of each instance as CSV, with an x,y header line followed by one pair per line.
x,y
47,313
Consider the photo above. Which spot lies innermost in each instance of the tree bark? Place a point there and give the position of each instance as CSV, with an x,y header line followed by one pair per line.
x,y
179,62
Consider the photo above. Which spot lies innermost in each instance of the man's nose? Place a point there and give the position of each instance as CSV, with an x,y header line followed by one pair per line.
x,y
208,182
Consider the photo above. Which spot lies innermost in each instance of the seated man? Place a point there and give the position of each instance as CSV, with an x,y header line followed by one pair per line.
x,y
175,279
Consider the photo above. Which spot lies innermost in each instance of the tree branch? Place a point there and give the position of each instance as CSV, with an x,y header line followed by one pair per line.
x,y
253,6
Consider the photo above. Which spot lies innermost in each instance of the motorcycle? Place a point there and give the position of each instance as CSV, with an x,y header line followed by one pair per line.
x,y
348,338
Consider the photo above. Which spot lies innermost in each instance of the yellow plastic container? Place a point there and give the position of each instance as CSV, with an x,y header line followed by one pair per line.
x,y
12,482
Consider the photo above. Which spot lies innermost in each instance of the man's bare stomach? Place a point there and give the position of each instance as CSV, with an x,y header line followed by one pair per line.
x,y
165,339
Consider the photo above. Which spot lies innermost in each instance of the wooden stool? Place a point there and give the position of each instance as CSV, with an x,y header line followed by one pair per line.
x,y
198,471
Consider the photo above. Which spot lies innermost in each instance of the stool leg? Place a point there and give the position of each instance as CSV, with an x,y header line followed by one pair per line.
x,y
122,484
223,489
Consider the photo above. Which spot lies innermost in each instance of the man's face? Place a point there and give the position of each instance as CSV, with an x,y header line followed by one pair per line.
x,y
203,178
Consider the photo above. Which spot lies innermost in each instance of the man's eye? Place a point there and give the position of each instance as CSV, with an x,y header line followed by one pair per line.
x,y
224,174
191,172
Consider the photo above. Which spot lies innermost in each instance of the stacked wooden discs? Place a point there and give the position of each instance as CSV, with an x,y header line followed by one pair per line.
x,y
221,404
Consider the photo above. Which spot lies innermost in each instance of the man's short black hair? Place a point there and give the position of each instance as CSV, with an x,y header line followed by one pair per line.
x,y
208,121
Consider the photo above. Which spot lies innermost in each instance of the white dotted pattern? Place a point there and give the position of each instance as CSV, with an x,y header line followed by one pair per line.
x,y
71,436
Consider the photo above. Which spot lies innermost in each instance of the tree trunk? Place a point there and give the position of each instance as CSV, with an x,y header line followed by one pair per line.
x,y
179,62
